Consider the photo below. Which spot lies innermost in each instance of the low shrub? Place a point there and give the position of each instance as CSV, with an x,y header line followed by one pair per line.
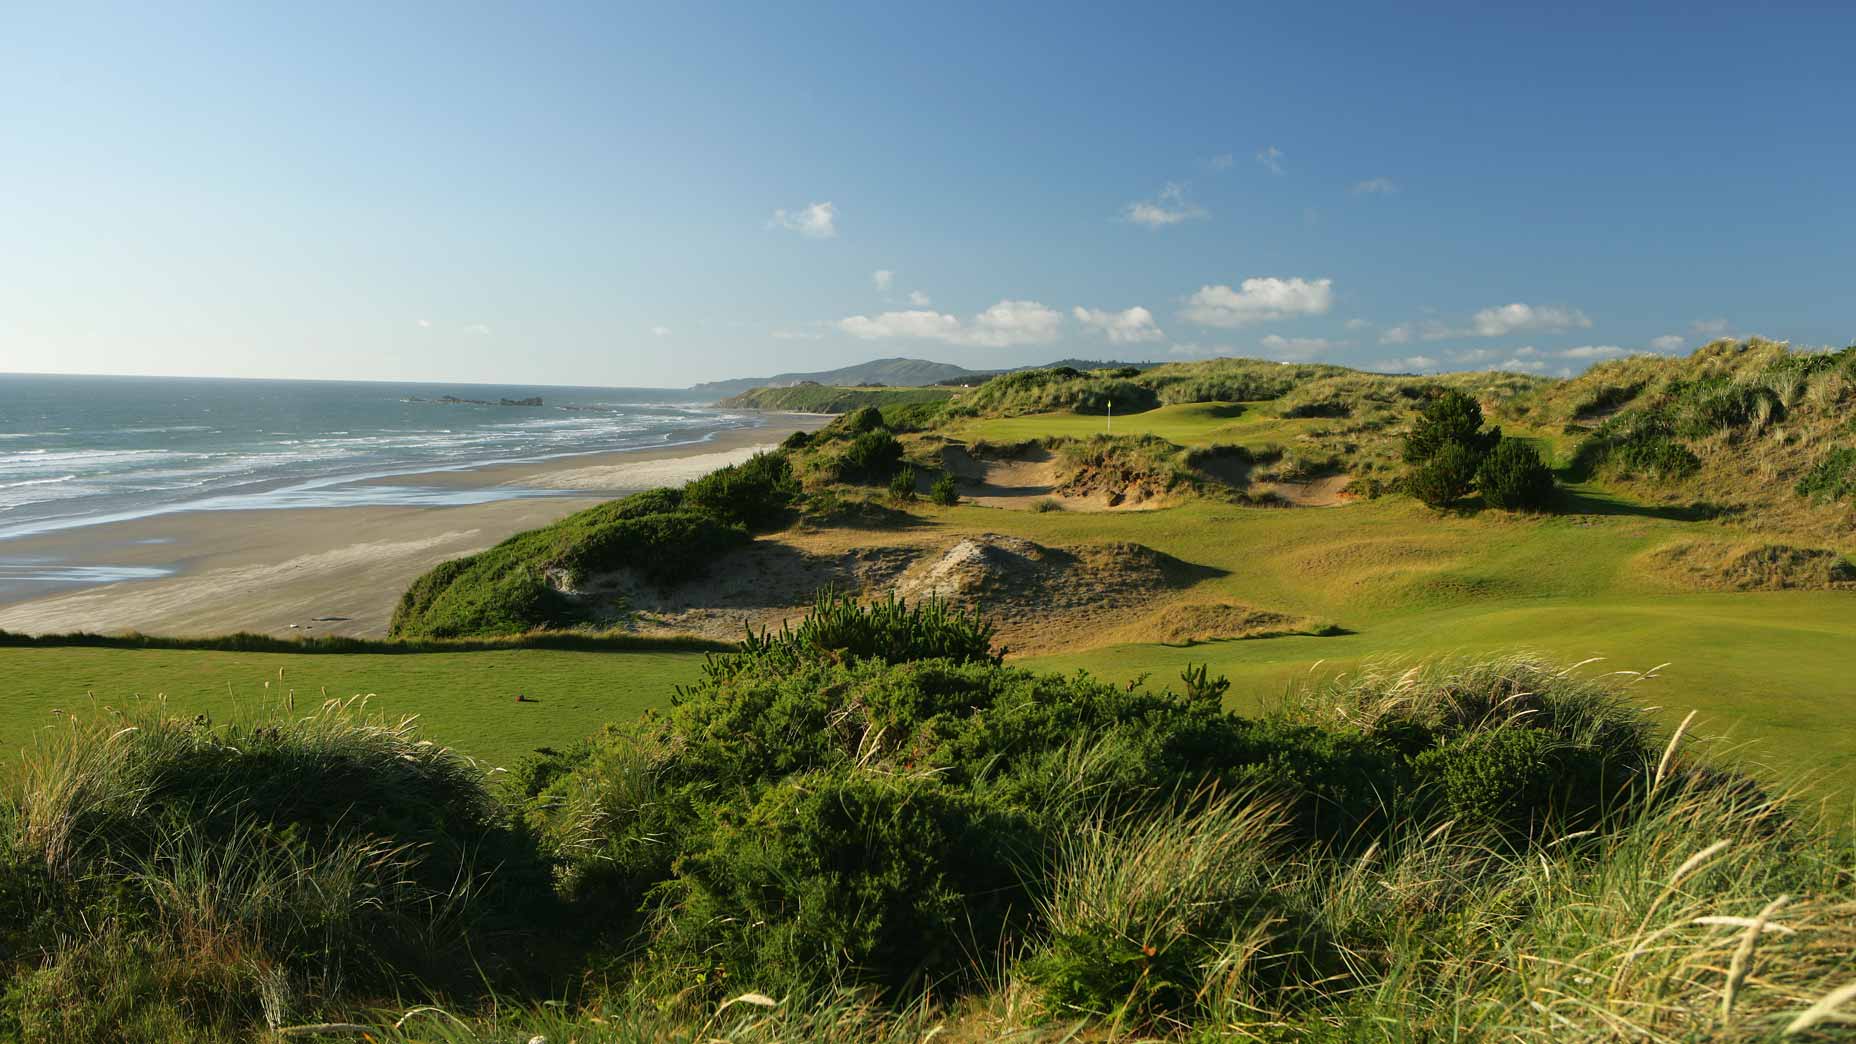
x,y
1451,418
944,492
1517,781
870,457
1445,477
1514,477
902,485
859,421
755,494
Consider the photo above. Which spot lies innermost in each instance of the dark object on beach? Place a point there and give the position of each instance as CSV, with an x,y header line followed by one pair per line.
x,y
523,698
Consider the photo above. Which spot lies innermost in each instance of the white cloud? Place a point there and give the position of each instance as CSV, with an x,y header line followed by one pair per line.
x,y
1513,318
1276,346
1375,187
1709,327
919,299
1170,207
1472,356
1520,366
1594,351
1130,326
1357,324
1259,300
425,324
1668,343
1400,334
817,220
883,277
1271,157
1194,348
660,331
1004,324
1409,364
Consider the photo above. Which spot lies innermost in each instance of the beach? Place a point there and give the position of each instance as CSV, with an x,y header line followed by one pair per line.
x,y
334,570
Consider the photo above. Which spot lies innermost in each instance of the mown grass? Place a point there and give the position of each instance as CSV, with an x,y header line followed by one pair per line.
x,y
464,699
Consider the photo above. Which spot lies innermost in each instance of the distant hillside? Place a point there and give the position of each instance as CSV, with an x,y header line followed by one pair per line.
x,y
824,398
911,373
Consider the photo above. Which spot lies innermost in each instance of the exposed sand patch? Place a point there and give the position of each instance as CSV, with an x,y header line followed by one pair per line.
x,y
1024,477
1326,491
1041,598
641,474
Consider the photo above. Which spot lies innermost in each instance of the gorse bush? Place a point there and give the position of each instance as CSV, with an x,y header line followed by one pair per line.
x,y
870,457
1513,476
754,494
902,484
944,492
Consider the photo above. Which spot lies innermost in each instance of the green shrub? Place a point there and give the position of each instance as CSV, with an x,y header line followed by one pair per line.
x,y
892,631
1514,477
944,492
664,549
1638,443
1446,476
859,421
1518,781
755,494
902,486
1832,478
914,416
870,457
850,877
797,440
1451,418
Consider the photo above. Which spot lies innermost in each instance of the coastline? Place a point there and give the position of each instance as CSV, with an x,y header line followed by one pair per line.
x,y
335,570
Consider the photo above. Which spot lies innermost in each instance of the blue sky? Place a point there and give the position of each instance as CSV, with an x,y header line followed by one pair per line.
x,y
665,193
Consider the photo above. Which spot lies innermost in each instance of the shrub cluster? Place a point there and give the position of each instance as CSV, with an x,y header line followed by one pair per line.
x,y
1449,454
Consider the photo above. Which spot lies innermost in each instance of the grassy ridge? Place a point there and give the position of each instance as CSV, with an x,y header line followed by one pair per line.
x,y
817,398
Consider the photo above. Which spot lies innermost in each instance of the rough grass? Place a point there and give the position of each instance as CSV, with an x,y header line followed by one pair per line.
x,y
819,398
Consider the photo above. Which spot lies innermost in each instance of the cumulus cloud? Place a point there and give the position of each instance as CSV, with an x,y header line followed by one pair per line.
x,y
883,277
1003,325
1594,351
1276,346
1409,364
1400,334
1375,187
1357,324
1271,157
816,220
1170,207
1709,327
1667,343
1514,318
919,299
1129,326
1259,300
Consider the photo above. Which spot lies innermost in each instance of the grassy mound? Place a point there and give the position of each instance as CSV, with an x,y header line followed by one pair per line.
x,y
820,398
663,536
1715,566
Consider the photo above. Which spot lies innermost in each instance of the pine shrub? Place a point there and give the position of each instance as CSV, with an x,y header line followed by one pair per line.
x,y
1445,477
1514,477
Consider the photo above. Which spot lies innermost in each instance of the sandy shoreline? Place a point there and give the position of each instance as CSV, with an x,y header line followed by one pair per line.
x,y
336,570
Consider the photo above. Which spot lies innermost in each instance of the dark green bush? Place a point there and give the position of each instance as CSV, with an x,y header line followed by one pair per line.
x,y
860,420
1446,476
796,441
1518,781
870,457
757,493
1449,418
913,416
902,486
944,492
1832,478
892,631
850,877
1514,477
664,549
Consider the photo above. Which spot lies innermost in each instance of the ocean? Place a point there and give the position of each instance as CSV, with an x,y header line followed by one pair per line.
x,y
76,451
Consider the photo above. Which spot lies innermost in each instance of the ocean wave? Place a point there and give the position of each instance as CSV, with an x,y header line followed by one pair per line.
x,y
37,482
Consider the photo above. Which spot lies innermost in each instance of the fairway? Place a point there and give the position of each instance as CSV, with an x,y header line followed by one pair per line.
x,y
465,700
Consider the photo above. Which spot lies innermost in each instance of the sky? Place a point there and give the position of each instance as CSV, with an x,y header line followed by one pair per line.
x,y
659,194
